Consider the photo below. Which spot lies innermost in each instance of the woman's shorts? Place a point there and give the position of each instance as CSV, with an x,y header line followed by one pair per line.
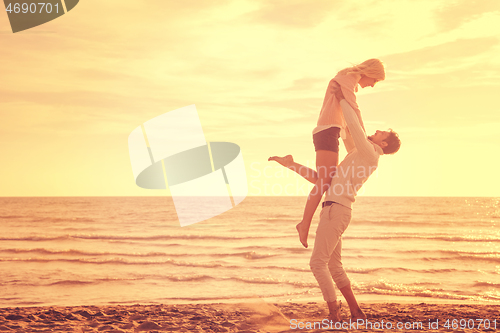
x,y
327,139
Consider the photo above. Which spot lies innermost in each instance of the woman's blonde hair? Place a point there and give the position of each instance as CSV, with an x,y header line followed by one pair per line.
x,y
372,68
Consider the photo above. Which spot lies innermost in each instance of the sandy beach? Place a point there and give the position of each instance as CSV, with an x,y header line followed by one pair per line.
x,y
249,317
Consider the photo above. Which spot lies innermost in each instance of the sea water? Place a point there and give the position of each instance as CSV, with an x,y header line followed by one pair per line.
x,y
127,250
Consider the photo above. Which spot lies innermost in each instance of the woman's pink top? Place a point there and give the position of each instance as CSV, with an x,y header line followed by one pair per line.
x,y
331,112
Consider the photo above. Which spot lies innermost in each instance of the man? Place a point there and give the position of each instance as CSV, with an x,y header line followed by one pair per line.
x,y
360,162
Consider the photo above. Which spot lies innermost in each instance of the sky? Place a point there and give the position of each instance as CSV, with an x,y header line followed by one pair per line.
x,y
73,89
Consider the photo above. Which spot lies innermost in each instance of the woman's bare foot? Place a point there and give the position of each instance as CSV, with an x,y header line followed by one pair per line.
x,y
303,230
285,161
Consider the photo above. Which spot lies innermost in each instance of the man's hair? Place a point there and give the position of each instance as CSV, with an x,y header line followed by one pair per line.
x,y
393,143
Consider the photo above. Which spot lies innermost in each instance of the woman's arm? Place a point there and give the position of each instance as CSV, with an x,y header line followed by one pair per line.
x,y
347,85
350,97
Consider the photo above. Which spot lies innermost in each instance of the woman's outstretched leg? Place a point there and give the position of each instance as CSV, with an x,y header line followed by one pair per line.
x,y
287,161
326,164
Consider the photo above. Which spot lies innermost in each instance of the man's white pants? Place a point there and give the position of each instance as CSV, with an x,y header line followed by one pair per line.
x,y
325,262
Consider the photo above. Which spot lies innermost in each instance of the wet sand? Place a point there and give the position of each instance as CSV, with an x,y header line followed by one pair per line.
x,y
249,317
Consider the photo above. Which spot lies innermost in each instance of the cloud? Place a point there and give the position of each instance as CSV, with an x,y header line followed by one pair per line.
x,y
88,99
454,15
446,55
186,7
470,76
433,107
307,84
465,132
294,13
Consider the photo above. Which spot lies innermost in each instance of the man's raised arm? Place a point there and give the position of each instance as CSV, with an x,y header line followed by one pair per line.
x,y
358,134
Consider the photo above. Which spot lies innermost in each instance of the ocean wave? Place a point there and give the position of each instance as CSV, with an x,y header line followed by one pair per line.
x,y
474,254
121,261
273,281
177,278
448,252
273,219
286,268
449,255
406,270
250,255
72,252
493,258
70,283
405,223
383,287
160,258
167,261
61,219
218,299
415,236
125,238
166,237
12,216
37,238
419,225
19,302
67,283
486,284
296,249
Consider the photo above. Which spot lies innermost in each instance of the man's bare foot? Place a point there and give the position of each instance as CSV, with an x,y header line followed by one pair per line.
x,y
358,315
285,161
334,308
303,230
